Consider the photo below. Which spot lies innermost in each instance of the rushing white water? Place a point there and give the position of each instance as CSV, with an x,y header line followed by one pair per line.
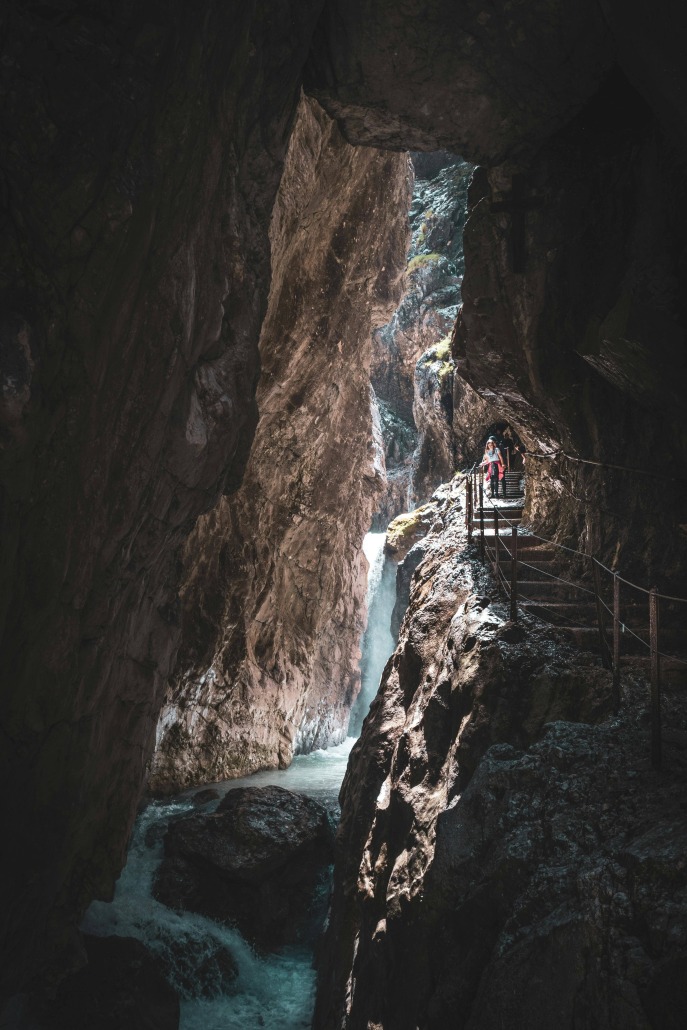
x,y
378,642
275,992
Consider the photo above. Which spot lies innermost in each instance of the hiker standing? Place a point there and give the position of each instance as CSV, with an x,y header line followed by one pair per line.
x,y
493,463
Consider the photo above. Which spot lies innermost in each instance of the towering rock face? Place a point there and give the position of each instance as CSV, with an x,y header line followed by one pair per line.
x,y
574,323
273,599
412,369
141,154
436,266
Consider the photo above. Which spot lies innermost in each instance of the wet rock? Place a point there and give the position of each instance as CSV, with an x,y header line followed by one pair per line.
x,y
204,797
259,862
197,966
464,683
121,987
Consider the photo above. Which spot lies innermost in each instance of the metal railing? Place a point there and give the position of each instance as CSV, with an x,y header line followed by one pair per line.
x,y
610,654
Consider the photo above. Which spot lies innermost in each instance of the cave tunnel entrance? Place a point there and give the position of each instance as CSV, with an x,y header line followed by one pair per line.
x,y
511,446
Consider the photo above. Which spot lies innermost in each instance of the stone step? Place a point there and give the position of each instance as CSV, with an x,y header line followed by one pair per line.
x,y
587,639
550,589
529,567
561,612
673,670
581,613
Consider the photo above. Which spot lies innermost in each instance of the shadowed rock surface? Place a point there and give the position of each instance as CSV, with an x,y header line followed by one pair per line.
x,y
411,360
121,988
495,859
142,149
257,862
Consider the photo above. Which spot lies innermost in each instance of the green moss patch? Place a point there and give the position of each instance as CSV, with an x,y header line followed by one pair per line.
x,y
421,261
407,529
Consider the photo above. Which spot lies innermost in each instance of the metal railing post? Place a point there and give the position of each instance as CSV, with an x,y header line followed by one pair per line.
x,y
514,576
468,498
603,643
616,642
496,548
655,680
481,521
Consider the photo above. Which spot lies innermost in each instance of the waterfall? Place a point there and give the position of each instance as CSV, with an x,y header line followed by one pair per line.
x,y
378,642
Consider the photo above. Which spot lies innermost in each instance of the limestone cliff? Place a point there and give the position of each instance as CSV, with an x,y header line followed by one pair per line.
x,y
575,347
273,598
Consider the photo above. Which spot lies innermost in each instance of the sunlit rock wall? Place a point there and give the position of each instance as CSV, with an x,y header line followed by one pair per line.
x,y
415,392
273,601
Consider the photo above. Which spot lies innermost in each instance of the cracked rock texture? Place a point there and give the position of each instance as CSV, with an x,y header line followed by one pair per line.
x,y
505,848
414,391
424,75
256,862
273,602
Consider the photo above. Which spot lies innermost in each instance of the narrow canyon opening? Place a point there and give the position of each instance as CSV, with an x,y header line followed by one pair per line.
x,y
254,312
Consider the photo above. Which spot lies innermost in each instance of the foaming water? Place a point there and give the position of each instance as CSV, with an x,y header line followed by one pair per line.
x,y
276,992
378,642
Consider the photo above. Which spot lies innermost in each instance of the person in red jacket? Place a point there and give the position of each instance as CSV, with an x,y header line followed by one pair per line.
x,y
493,462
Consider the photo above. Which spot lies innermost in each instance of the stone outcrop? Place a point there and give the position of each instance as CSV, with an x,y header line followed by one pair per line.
x,y
434,459
583,379
487,84
256,862
497,821
273,598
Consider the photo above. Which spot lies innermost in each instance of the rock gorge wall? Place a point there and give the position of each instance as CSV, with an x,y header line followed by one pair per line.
x,y
415,388
274,585
141,152
573,339
595,378
142,149
506,855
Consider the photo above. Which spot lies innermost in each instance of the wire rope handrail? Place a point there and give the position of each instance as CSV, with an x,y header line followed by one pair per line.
x,y
610,658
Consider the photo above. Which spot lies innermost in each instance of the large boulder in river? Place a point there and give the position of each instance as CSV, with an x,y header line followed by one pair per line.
x,y
259,862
